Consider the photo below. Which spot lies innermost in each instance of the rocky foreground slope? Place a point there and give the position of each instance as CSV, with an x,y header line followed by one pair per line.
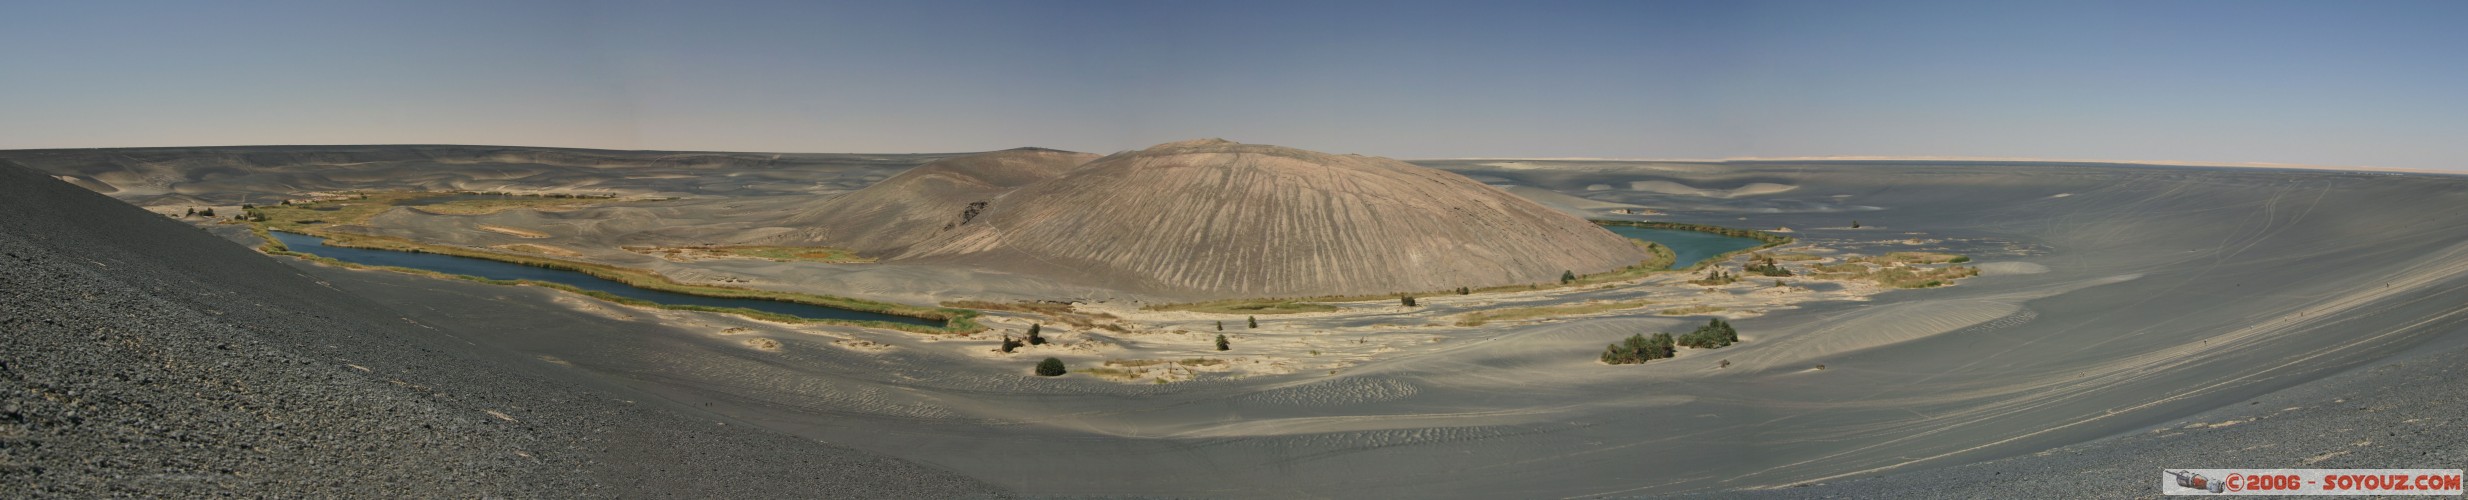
x,y
143,357
1213,218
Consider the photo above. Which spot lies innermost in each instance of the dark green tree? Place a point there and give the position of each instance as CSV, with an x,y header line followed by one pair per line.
x,y
1222,345
1220,325
209,212
1033,337
1051,367
1567,277
1408,300
192,211
1254,320
1010,344
1465,291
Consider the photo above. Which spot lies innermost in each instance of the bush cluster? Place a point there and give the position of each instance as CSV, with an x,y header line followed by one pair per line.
x,y
1639,349
1766,267
1716,334
1716,277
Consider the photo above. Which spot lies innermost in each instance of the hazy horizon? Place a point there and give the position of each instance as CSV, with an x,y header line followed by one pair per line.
x,y
2328,84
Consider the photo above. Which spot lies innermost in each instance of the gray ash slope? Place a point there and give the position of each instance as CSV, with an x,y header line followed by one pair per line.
x,y
887,217
1217,219
145,357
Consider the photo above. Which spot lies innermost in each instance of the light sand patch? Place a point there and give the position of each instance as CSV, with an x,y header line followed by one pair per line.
x,y
763,344
862,345
2010,268
1565,203
1881,326
518,233
1674,188
2325,456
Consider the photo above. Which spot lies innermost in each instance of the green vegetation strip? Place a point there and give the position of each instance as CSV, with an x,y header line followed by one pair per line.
x,y
293,218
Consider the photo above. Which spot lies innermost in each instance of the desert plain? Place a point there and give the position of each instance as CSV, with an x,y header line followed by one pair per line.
x,y
2111,305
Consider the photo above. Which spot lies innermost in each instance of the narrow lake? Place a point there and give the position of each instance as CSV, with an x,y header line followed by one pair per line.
x,y
1688,246
506,271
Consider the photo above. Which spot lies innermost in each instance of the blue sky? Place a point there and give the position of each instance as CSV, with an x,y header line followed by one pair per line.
x,y
2378,83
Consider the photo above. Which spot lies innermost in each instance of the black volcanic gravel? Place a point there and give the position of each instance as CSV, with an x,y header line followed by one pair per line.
x,y
2409,413
145,357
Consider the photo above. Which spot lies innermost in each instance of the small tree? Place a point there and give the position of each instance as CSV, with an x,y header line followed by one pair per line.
x,y
1033,337
1254,320
1567,277
1051,367
1464,291
209,212
1222,345
1010,344
1408,300
1221,326
192,211
1855,224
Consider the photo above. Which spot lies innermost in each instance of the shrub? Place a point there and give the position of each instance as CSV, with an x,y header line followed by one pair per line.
x,y
1220,326
209,212
1716,334
1010,344
1717,277
1958,259
192,211
1567,277
1051,367
1639,349
1766,267
1221,343
1254,320
1033,337
1407,300
1464,291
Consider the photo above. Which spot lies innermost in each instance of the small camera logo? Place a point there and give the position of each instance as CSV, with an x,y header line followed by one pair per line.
x,y
2189,479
